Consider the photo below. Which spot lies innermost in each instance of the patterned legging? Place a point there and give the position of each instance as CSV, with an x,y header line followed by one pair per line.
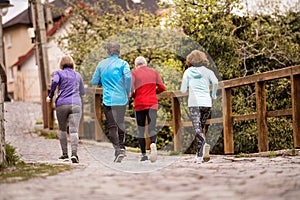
x,y
199,115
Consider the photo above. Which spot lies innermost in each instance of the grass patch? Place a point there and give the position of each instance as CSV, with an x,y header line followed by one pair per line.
x,y
46,133
174,153
39,122
272,154
51,135
24,171
16,170
240,155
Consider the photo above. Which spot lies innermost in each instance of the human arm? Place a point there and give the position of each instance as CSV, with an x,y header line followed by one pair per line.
x,y
133,85
54,84
214,82
127,78
81,87
96,79
184,83
160,85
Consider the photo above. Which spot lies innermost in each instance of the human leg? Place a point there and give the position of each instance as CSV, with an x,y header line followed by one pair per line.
x,y
74,120
111,116
141,121
62,113
152,115
195,116
112,127
205,114
119,113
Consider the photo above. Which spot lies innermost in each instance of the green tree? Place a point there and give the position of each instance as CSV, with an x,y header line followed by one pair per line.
x,y
242,45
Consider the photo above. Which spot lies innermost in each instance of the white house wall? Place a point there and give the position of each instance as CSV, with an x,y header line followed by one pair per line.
x,y
29,73
28,84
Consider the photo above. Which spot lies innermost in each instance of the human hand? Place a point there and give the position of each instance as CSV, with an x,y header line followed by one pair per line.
x,y
48,99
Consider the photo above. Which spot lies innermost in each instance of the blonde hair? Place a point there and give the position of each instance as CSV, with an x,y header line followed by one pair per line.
x,y
66,61
197,58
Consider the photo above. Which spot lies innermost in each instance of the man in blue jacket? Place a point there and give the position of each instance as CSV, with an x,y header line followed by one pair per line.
x,y
113,74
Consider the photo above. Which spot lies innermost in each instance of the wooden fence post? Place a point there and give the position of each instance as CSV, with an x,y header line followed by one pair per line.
x,y
98,120
261,116
50,112
295,86
227,121
176,123
50,115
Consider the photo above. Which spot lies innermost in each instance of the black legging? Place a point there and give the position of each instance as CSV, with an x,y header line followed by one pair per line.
x,y
141,116
116,127
199,115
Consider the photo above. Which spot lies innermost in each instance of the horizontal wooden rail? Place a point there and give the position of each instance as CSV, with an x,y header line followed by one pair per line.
x,y
227,119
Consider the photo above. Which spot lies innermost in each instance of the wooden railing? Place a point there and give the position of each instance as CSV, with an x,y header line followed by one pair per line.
x,y
228,118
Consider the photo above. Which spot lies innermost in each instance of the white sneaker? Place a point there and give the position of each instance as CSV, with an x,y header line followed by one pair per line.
x,y
153,155
198,159
206,149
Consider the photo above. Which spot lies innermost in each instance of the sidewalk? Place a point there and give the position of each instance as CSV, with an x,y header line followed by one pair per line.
x,y
171,177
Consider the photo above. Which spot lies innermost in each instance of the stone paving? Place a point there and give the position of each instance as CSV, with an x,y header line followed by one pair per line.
x,y
170,178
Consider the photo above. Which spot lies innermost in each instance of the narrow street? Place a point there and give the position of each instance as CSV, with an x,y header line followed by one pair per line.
x,y
171,177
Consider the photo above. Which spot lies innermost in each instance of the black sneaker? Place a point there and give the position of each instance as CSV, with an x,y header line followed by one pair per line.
x,y
74,159
64,157
144,158
119,156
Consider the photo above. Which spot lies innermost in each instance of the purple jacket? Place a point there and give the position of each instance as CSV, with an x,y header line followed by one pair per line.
x,y
70,87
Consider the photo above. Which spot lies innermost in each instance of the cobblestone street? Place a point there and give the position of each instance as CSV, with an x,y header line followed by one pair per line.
x,y
170,177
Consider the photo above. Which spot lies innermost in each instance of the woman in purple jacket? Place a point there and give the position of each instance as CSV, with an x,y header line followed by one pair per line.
x,y
68,104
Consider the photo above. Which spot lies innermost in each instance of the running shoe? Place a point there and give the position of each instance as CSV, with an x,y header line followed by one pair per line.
x,y
153,155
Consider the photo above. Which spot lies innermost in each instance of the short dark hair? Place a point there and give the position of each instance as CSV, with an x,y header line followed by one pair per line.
x,y
113,47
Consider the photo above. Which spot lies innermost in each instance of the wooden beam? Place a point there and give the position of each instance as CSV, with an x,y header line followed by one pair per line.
x,y
295,86
227,121
176,123
50,112
261,112
265,76
99,135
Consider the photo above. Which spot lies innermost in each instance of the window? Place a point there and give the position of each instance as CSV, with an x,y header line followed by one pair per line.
x,y
8,41
11,73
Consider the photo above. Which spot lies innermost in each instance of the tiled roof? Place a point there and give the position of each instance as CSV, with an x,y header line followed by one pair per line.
x,y
25,16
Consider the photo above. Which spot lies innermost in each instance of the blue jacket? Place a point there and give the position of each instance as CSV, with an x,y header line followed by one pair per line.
x,y
70,87
198,80
113,74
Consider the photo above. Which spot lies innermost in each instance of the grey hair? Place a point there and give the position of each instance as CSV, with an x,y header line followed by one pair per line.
x,y
140,61
113,47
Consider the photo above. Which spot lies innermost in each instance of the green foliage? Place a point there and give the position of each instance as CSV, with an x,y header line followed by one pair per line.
x,y
237,45
245,137
24,171
280,133
11,157
246,45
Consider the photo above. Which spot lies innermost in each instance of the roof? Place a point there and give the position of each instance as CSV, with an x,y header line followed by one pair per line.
x,y
25,16
49,33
